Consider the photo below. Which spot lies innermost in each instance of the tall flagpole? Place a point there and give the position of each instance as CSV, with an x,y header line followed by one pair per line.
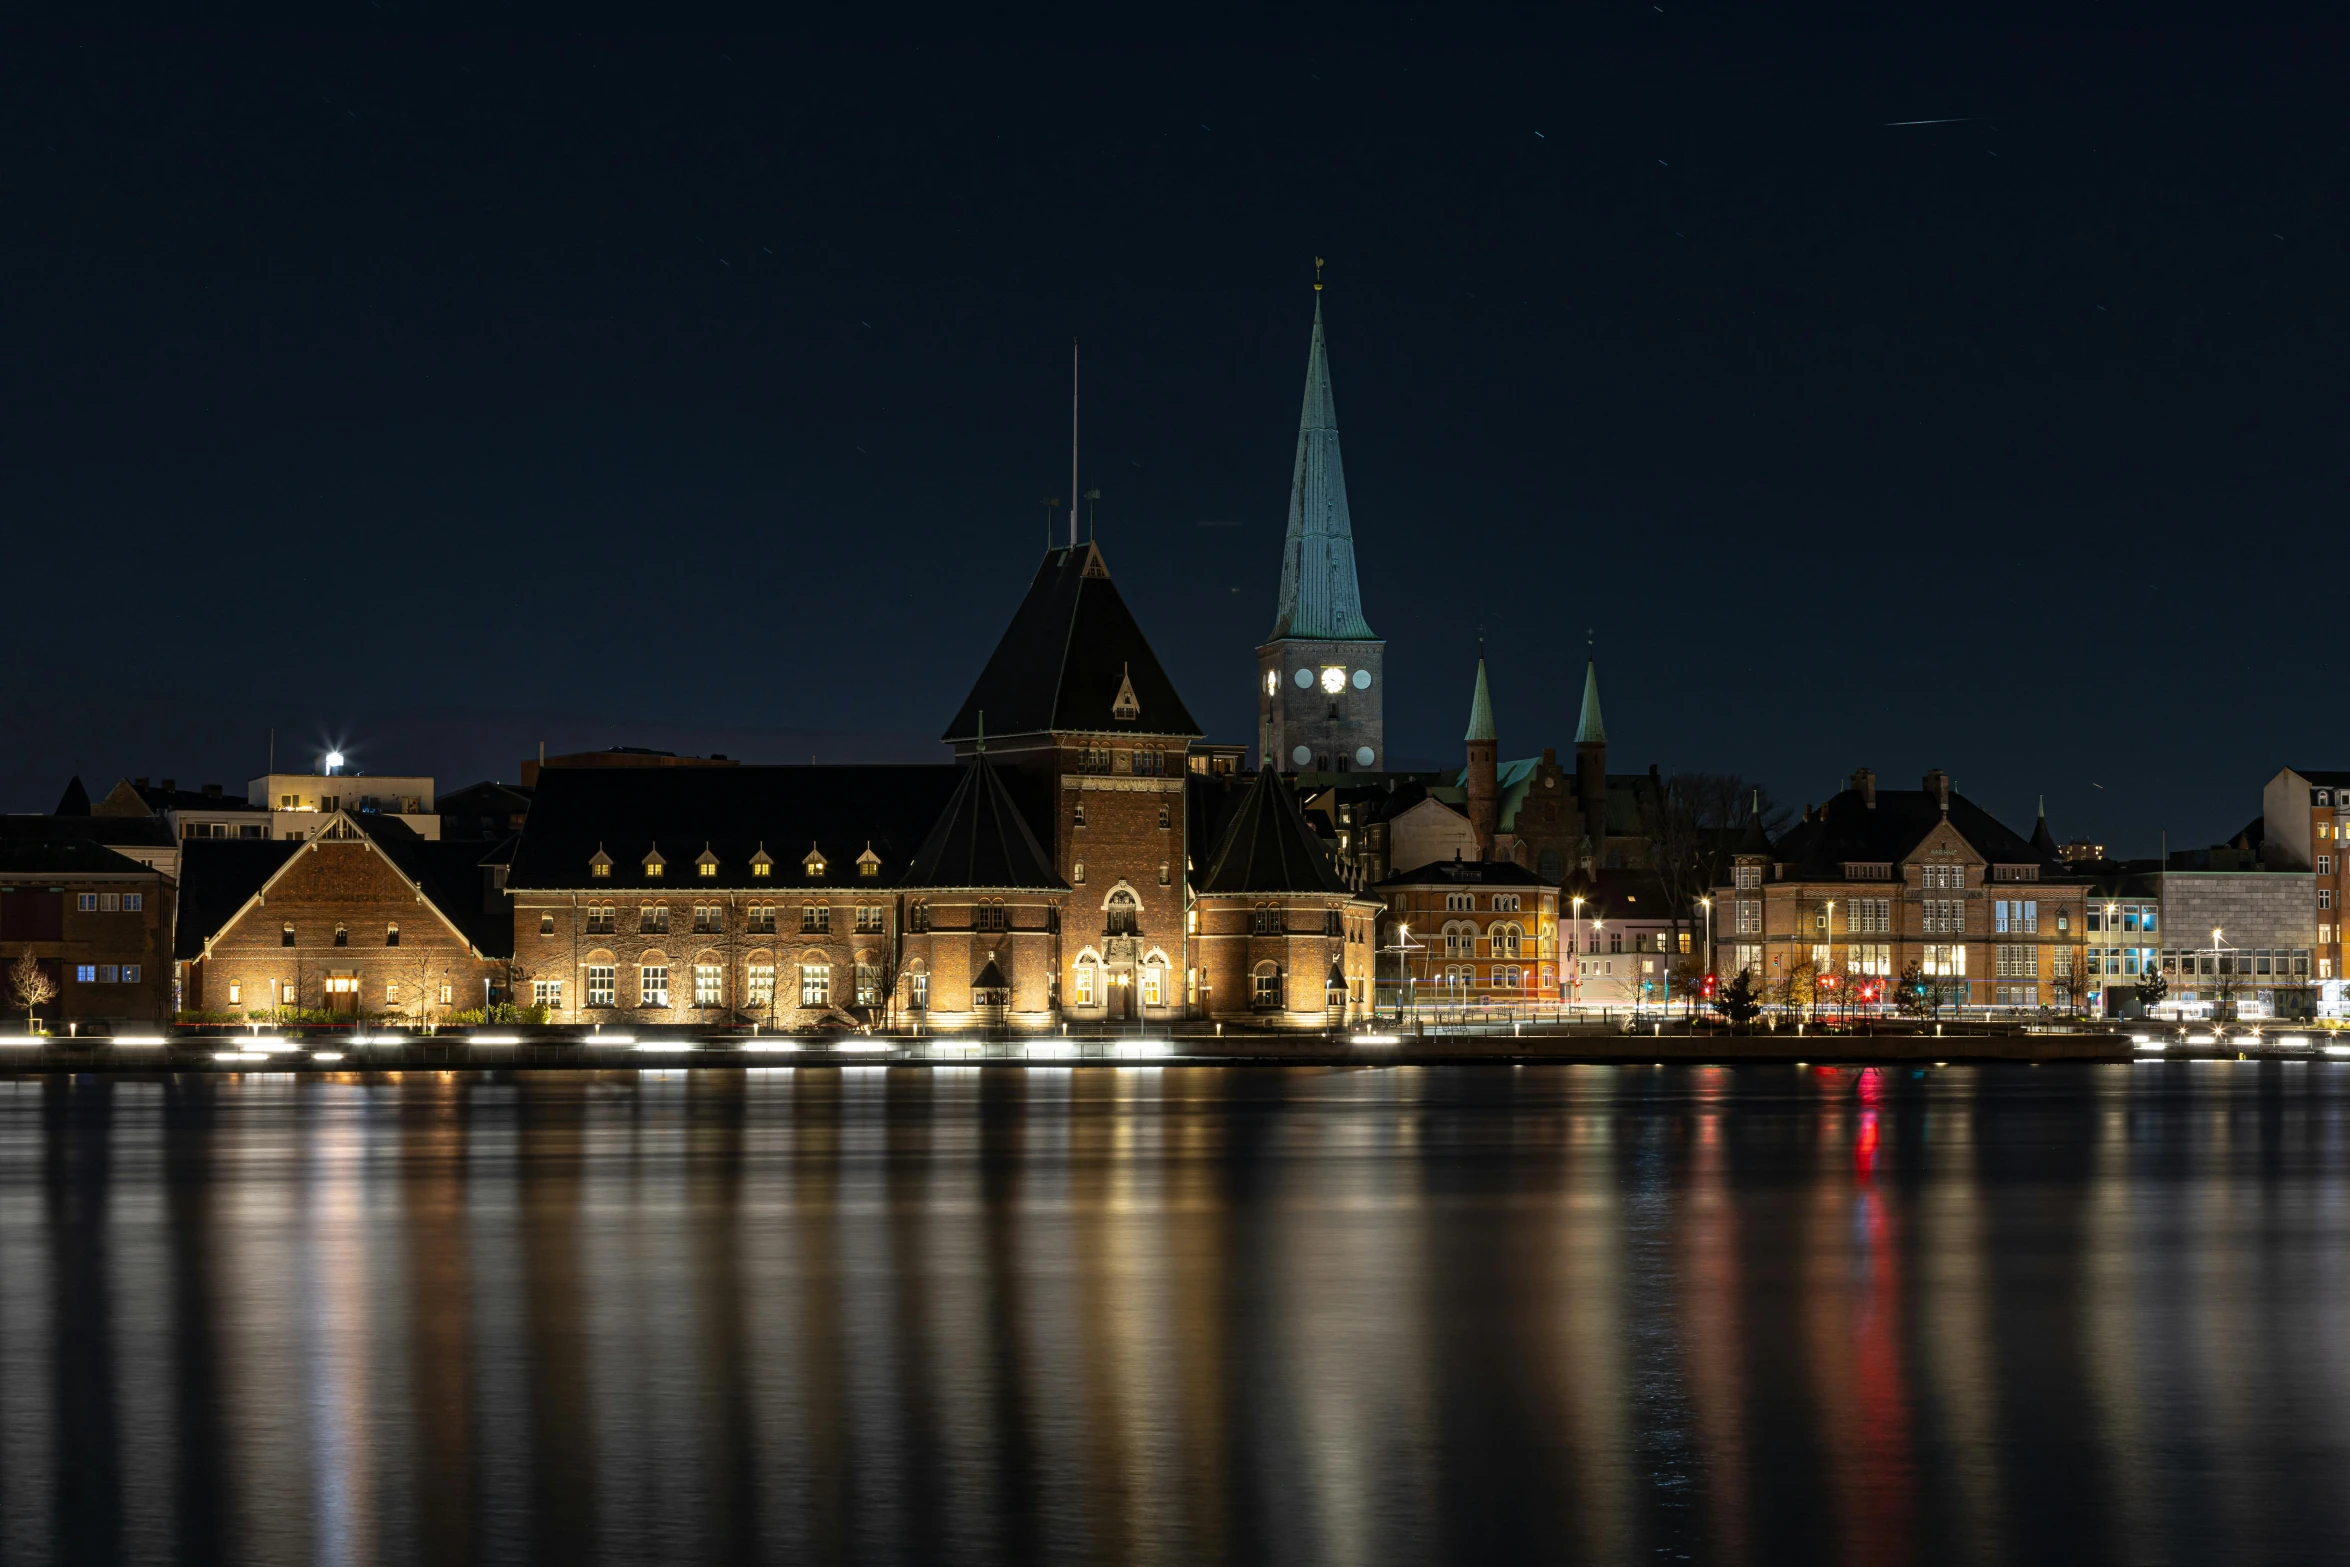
x,y
1072,443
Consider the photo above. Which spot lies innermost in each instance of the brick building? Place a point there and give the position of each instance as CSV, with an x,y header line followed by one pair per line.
x,y
1542,814
983,919
1468,932
1879,884
716,895
1624,939
1282,940
96,925
361,918
2305,826
1076,711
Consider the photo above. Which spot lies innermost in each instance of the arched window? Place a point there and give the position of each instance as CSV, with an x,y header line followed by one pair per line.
x,y
1460,939
286,938
1124,913
1506,937
342,936
1154,984
1265,989
1088,981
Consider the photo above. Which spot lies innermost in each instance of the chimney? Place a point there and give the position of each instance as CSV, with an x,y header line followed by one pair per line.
x,y
1938,785
168,785
138,783
1866,782
1807,811
212,791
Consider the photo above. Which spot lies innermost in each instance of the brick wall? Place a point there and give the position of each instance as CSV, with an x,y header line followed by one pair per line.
x,y
341,899
86,952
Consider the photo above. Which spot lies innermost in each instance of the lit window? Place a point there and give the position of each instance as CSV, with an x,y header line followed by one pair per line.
x,y
1267,986
918,991
85,973
868,984
759,986
652,985
706,985
236,992
762,866
1082,991
446,993
599,985
547,993
815,984
706,867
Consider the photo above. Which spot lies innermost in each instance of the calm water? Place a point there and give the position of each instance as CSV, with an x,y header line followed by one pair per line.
x,y
1177,1315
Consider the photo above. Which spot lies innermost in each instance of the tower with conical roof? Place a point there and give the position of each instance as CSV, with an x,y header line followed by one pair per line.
x,y
1591,763
1321,680
1483,776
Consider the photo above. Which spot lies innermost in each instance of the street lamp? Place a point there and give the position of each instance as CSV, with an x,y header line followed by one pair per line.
x,y
1575,978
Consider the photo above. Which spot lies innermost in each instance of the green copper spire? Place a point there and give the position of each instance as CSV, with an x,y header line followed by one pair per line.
x,y
1320,599
1480,707
1590,730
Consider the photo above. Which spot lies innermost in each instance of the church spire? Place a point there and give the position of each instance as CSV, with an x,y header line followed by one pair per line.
x,y
1481,705
1590,730
1320,598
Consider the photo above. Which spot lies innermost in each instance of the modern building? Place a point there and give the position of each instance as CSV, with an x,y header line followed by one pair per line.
x,y
1468,932
1921,886
1627,945
298,803
95,926
1321,674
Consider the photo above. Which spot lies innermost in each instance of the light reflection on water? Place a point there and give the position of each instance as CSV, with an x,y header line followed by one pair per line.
x,y
1179,1314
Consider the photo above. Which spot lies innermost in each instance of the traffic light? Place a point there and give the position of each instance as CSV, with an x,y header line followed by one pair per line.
x,y
1708,990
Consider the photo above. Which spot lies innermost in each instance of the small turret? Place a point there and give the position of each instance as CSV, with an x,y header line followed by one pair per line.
x,y
1483,777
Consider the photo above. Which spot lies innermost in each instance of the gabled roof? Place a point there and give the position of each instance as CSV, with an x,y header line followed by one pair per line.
x,y
1270,847
76,799
1320,597
1848,831
625,811
219,876
1066,659
982,840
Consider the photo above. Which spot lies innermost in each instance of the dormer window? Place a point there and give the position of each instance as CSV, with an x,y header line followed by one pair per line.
x,y
762,863
869,864
654,864
812,863
601,864
706,864
1868,870
1125,707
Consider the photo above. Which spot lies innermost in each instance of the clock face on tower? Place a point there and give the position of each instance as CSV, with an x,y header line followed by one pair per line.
x,y
1334,679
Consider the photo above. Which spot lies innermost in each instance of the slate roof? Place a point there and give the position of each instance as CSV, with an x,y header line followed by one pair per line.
x,y
1321,600
1269,847
217,876
64,858
1617,894
1061,661
1847,830
170,797
144,831
452,876
735,811
1466,873
982,839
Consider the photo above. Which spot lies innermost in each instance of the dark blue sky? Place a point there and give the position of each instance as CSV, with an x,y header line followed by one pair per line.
x,y
441,390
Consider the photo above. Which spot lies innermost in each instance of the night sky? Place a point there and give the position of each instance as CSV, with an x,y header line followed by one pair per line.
x,y
439,390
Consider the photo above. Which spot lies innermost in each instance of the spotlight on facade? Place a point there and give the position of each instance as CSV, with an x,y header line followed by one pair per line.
x,y
334,762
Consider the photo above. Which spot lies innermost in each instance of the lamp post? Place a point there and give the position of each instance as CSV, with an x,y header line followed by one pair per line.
x,y
1575,945
1827,929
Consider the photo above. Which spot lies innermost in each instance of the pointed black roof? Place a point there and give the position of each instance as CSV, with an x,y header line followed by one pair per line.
x,y
2042,838
982,839
1062,660
1754,841
76,799
1270,847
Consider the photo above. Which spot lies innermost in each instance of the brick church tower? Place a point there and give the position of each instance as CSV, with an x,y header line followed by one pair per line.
x,y
1321,680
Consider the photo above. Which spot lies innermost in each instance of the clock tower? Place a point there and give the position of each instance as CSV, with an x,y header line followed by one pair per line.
x,y
1321,676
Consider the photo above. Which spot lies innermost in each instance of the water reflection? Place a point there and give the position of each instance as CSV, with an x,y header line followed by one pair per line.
x,y
1171,1315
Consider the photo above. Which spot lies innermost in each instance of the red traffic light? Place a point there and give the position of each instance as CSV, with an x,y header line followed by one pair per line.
x,y
1708,991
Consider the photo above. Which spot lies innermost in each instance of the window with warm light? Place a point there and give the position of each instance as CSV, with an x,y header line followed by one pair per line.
x,y
759,986
652,985
815,984
599,985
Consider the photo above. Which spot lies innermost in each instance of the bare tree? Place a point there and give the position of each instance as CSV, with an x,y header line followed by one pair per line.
x,y
31,985
424,973
1693,822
